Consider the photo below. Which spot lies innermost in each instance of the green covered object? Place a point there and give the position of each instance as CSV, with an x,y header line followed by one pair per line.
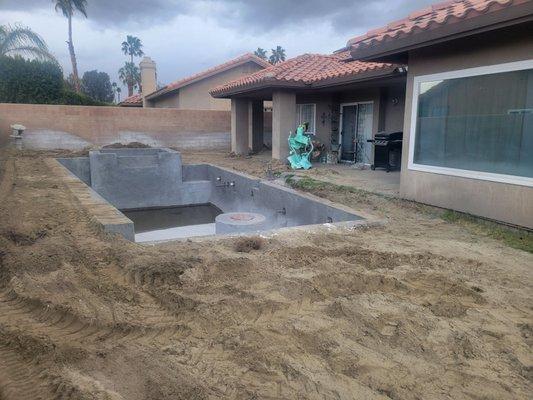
x,y
301,147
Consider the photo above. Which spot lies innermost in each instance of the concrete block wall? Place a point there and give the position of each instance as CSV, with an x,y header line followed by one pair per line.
x,y
141,178
58,126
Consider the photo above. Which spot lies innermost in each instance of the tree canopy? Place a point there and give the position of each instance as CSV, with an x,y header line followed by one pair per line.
x,y
261,53
130,75
18,40
97,86
36,82
132,47
277,55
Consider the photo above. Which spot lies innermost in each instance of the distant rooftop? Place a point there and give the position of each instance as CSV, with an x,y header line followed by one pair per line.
x,y
245,58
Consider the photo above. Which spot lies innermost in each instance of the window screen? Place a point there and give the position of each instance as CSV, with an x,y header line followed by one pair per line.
x,y
306,113
478,123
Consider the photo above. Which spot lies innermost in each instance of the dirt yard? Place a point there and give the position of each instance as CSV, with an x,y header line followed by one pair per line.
x,y
420,308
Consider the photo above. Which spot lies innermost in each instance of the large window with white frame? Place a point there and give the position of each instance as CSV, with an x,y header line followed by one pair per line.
x,y
475,123
306,113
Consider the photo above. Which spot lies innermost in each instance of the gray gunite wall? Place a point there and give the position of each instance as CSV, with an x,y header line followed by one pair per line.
x,y
143,178
148,178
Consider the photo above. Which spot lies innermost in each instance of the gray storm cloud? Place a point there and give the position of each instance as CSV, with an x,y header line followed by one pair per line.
x,y
249,15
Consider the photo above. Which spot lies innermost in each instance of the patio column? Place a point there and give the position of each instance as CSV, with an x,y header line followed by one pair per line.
x,y
239,125
255,125
283,121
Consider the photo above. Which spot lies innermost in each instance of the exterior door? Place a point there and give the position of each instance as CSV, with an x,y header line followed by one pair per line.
x,y
348,130
363,133
356,129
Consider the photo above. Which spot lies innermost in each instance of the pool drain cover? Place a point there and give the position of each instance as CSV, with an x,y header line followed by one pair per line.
x,y
242,216
239,222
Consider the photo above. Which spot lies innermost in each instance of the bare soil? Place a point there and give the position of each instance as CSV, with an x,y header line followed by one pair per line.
x,y
417,309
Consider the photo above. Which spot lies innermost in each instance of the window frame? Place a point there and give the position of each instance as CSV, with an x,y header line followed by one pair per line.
x,y
462,73
299,112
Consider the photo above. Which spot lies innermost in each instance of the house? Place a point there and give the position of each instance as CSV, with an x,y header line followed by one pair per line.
x,y
468,122
135,100
333,93
192,92
456,77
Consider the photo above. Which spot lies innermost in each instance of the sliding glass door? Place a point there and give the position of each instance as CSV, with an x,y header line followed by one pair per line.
x,y
356,129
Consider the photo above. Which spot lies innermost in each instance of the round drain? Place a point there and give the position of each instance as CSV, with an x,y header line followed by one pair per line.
x,y
243,216
239,222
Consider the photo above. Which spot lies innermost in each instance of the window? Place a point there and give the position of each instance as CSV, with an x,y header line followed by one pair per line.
x,y
476,123
306,113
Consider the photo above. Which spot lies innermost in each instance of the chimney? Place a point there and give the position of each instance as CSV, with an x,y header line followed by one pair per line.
x,y
148,76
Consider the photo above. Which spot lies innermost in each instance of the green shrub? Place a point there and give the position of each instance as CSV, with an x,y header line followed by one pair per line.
x,y
37,82
29,81
70,97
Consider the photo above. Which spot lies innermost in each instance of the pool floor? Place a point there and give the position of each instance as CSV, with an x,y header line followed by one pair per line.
x,y
153,224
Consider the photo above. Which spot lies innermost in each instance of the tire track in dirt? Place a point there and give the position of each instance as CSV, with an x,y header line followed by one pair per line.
x,y
20,380
60,325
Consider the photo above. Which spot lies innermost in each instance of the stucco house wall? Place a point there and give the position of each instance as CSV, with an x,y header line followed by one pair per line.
x,y
500,201
196,95
387,115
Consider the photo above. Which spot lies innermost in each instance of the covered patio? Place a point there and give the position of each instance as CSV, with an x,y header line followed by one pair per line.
x,y
344,101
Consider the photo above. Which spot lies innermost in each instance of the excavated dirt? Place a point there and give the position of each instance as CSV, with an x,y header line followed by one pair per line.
x,y
417,309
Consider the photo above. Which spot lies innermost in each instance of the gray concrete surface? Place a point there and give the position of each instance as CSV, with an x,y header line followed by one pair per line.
x,y
144,178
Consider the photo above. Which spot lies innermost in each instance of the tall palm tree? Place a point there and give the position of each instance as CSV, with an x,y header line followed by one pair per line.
x,y
68,7
261,53
22,41
277,55
118,94
130,75
132,46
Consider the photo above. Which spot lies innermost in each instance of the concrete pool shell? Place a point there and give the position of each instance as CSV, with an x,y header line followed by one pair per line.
x,y
147,178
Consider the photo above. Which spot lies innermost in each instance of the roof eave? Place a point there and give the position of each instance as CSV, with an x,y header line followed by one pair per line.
x,y
165,91
361,77
269,84
518,14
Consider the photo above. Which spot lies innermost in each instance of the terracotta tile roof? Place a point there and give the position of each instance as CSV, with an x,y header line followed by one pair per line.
x,y
306,69
135,100
437,15
248,57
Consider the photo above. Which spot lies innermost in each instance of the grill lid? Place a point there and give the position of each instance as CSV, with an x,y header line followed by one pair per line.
x,y
389,136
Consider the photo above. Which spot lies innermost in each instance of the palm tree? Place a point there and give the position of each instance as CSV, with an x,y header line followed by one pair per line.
x,y
118,94
22,41
261,53
130,75
277,55
132,46
68,7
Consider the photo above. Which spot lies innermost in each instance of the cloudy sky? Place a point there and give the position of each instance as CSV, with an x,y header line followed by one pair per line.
x,y
187,36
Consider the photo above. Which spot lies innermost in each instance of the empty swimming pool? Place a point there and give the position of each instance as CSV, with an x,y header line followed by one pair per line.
x,y
151,187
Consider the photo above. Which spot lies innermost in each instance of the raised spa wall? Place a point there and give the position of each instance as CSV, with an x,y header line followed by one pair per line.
x,y
148,178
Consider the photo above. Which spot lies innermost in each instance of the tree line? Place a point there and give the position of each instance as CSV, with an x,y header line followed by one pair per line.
x,y
21,42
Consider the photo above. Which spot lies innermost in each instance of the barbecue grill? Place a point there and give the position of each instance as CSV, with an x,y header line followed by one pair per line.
x,y
387,150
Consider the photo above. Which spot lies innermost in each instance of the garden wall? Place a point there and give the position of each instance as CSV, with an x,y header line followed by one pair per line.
x,y
75,127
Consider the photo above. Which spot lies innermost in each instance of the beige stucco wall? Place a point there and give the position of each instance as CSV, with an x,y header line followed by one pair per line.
x,y
386,115
196,95
504,202
104,125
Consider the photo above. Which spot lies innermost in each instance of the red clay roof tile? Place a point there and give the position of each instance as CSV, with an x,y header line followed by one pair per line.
x,y
306,69
439,14
247,57
134,100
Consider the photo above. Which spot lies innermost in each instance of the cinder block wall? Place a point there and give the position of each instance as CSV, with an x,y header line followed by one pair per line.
x,y
103,125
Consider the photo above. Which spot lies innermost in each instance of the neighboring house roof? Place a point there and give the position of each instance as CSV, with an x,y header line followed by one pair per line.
x,y
447,19
307,70
133,101
245,58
